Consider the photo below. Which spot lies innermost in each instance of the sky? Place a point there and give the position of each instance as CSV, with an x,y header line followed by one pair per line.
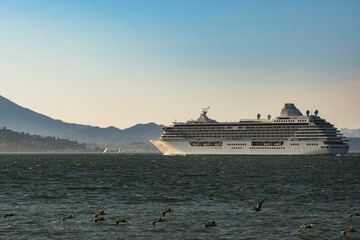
x,y
119,63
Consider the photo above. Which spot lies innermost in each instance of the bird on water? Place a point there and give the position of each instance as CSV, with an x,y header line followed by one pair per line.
x,y
357,213
210,224
347,230
258,206
154,221
101,212
166,210
120,221
310,225
96,219
8,215
66,217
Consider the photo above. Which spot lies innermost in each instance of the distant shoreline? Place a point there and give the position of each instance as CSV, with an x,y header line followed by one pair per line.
x,y
141,153
94,153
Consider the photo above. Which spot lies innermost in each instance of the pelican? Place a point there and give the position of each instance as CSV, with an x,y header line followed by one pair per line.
x,y
66,217
357,213
310,225
258,206
161,219
166,210
347,230
101,212
8,215
96,219
210,224
120,221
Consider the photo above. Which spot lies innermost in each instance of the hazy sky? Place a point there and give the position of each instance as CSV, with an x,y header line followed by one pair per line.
x,y
119,63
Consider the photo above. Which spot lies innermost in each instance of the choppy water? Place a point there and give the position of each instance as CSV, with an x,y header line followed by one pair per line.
x,y
297,190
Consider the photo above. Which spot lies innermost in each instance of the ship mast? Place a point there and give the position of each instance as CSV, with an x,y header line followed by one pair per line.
x,y
205,110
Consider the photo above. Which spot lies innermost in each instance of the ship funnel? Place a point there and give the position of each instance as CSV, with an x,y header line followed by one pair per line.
x,y
290,110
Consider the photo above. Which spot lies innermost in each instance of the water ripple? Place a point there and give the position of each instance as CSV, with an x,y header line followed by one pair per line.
x,y
297,190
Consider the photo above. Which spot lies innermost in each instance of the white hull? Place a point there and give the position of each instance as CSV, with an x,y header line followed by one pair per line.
x,y
245,148
291,133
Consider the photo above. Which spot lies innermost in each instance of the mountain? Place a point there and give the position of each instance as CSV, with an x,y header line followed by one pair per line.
x,y
17,118
354,145
352,133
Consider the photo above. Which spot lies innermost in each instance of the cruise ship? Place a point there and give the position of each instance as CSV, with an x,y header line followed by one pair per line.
x,y
291,133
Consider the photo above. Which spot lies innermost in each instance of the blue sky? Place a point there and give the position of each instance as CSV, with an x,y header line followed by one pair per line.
x,y
123,62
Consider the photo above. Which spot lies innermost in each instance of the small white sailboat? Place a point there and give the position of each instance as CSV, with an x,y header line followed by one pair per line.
x,y
118,151
105,150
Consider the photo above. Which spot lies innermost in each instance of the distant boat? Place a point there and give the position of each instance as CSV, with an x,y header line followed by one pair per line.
x,y
105,150
119,151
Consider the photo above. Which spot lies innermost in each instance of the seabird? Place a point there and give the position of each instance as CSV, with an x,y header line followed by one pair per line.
x,y
346,230
310,225
161,219
166,210
8,215
357,213
120,221
210,224
99,219
101,212
66,217
258,206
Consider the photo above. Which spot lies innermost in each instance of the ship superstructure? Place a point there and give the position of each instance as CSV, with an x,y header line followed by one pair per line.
x,y
291,133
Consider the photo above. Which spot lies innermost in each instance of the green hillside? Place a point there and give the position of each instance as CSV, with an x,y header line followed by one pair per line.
x,y
11,141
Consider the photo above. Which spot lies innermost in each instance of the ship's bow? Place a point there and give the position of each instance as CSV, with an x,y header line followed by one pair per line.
x,y
159,145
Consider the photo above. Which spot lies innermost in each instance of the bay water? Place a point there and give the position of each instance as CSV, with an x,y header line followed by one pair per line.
x,y
297,190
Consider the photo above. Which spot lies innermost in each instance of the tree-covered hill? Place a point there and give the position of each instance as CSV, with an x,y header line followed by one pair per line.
x,y
11,141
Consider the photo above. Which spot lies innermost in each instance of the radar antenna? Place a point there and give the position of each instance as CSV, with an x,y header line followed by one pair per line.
x,y
205,110
203,118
